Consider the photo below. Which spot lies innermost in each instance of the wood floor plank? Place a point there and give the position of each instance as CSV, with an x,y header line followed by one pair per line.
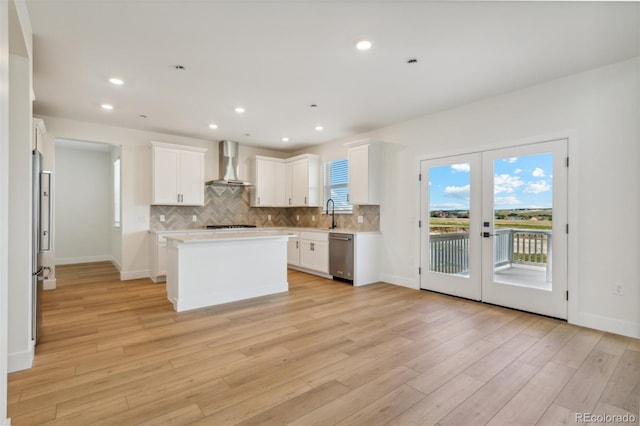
x,y
582,393
578,348
533,400
623,388
491,397
441,373
350,403
557,415
549,345
501,357
294,408
432,408
386,408
116,353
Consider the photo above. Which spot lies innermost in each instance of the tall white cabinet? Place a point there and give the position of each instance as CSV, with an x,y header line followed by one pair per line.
x,y
269,178
178,175
294,182
365,174
303,181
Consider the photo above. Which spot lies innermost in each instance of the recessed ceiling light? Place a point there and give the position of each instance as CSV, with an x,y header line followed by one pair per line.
x,y
319,128
107,107
116,81
363,45
239,110
285,139
213,126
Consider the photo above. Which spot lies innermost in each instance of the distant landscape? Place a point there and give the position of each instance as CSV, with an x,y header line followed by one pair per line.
x,y
458,220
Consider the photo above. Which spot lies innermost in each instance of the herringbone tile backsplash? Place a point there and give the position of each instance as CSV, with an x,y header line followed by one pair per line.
x,y
225,205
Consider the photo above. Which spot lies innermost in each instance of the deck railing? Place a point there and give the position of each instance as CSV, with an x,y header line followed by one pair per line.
x,y
450,252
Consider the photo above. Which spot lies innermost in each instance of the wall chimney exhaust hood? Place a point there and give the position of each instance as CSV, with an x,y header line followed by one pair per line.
x,y
228,165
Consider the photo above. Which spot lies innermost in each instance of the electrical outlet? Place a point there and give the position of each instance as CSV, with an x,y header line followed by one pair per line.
x,y
268,217
298,217
618,289
313,218
360,219
194,218
162,218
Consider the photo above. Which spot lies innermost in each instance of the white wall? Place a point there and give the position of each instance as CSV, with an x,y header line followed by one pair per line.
x,y
20,344
598,110
116,232
136,178
4,203
83,205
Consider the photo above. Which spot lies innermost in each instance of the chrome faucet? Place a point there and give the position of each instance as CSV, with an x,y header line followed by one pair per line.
x,y
333,213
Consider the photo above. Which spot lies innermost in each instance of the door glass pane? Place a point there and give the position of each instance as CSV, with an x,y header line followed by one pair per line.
x,y
449,196
523,213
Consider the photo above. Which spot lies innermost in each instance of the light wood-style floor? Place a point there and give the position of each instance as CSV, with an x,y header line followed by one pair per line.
x,y
116,353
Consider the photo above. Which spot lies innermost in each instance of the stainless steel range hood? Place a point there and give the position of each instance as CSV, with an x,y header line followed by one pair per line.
x,y
228,165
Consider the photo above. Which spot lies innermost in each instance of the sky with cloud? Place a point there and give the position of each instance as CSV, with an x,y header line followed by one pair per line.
x,y
519,183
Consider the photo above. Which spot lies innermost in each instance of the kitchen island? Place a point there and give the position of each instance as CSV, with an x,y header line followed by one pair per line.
x,y
211,269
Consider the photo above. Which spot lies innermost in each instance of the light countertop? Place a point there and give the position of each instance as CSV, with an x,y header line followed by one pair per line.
x,y
249,230
235,235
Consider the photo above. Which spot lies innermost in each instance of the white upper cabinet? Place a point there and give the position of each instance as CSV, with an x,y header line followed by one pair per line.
x,y
269,189
294,182
303,181
178,175
365,181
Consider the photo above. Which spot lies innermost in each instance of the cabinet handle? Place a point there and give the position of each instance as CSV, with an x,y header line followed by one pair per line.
x,y
305,201
178,197
312,247
258,200
289,200
297,242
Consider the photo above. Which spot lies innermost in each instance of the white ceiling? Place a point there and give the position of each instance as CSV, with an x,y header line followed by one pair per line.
x,y
275,58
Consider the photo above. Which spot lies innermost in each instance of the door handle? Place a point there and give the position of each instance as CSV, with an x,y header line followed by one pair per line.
x,y
486,234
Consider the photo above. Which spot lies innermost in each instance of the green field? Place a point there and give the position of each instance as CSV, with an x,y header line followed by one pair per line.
x,y
500,223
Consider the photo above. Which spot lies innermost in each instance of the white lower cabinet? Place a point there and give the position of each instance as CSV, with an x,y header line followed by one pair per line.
x,y
293,249
158,258
314,251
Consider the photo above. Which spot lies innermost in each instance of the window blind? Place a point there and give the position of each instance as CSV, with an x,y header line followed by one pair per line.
x,y
336,180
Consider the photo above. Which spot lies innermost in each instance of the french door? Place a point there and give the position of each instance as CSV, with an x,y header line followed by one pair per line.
x,y
494,227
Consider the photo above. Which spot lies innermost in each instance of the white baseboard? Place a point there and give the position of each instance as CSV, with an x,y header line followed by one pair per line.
x,y
83,259
612,325
20,360
116,264
49,284
134,275
400,281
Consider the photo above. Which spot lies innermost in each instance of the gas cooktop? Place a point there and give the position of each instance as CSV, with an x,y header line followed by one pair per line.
x,y
229,226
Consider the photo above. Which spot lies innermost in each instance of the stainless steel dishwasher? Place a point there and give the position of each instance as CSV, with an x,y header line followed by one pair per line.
x,y
341,256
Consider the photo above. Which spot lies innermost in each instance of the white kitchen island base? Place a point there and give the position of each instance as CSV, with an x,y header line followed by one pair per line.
x,y
214,269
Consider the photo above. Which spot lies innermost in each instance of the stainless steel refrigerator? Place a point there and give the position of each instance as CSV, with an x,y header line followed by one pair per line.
x,y
41,242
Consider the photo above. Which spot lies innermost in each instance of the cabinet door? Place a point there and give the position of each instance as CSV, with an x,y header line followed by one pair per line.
x,y
293,251
359,175
161,259
321,256
307,255
191,178
300,183
165,176
269,183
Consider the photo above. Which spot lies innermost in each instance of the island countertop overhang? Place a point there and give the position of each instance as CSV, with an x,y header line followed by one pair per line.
x,y
200,238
